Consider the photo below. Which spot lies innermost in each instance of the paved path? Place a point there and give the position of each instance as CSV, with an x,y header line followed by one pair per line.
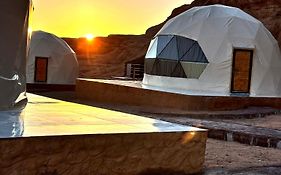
x,y
246,171
246,134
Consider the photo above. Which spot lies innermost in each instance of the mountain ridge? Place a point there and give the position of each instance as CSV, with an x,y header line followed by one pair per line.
x,y
110,54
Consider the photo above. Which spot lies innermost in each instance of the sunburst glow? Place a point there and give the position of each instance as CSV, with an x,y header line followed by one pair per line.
x,y
89,37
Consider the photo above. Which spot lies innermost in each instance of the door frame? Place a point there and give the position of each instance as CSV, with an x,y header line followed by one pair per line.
x,y
35,69
233,69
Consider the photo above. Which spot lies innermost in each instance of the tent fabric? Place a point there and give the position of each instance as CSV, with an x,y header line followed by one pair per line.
x,y
62,61
14,17
219,30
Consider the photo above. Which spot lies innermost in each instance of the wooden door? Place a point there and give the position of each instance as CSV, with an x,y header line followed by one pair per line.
x,y
41,69
241,71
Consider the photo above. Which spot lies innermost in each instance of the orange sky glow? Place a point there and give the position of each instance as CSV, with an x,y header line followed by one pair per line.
x,y
76,18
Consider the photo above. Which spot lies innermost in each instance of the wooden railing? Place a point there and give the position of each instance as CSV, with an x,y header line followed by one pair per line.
x,y
135,71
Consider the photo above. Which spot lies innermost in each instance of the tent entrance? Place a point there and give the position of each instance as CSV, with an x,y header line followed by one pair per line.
x,y
241,71
41,69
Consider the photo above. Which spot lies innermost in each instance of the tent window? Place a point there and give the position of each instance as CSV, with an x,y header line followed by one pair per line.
x,y
193,70
185,45
170,50
148,66
168,68
41,69
194,54
174,47
162,42
176,56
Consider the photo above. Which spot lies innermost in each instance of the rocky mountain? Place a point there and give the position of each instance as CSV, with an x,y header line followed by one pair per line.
x,y
106,56
267,11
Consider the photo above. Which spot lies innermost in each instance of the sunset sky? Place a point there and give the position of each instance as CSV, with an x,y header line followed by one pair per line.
x,y
76,18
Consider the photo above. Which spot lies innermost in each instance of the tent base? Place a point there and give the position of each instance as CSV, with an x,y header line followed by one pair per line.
x,y
132,93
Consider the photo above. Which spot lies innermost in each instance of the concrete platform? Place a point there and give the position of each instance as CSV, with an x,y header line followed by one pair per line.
x,y
132,93
66,138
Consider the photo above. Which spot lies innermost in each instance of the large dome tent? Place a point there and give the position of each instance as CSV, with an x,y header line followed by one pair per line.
x,y
214,50
51,60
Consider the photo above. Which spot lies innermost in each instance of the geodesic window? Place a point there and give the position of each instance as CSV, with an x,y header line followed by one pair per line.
x,y
175,56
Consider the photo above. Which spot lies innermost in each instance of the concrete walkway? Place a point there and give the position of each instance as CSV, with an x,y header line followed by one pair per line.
x,y
272,170
245,134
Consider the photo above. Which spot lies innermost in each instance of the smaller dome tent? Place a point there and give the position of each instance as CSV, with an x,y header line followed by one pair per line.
x,y
214,50
51,60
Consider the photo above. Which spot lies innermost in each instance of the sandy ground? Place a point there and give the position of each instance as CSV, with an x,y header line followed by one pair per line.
x,y
232,155
225,157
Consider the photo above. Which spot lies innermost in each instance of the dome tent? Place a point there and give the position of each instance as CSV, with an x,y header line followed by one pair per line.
x,y
214,50
51,60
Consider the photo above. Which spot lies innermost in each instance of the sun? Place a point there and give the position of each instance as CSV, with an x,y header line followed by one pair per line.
x,y
89,36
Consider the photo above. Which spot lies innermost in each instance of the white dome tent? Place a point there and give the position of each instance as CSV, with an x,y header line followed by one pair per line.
x,y
214,51
51,60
